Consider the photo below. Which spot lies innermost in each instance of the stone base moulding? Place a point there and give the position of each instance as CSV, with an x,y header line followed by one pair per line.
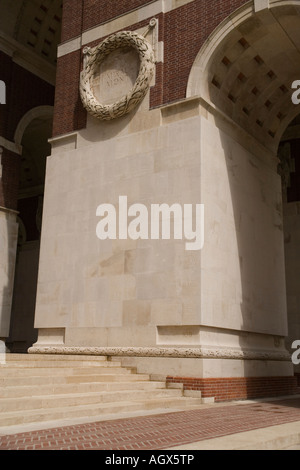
x,y
163,352
218,388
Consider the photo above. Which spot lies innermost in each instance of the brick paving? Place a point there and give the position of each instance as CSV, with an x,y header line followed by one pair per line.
x,y
158,431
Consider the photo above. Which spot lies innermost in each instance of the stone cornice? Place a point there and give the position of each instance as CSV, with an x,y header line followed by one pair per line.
x,y
150,9
11,146
8,211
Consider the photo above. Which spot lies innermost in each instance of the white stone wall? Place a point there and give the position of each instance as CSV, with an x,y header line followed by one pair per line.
x,y
243,281
154,293
122,285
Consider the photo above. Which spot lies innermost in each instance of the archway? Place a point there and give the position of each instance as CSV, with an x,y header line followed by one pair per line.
x,y
32,133
247,66
243,76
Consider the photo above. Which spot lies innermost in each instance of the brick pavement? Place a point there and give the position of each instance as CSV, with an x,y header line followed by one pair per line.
x,y
158,431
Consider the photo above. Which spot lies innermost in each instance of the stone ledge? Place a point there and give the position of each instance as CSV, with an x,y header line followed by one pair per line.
x,y
202,353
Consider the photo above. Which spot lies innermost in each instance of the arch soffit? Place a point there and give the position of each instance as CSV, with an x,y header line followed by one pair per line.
x,y
268,113
42,112
197,85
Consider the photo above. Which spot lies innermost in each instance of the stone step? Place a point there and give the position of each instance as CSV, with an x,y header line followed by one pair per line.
x,y
92,411
6,371
38,388
59,364
77,399
72,379
61,388
24,358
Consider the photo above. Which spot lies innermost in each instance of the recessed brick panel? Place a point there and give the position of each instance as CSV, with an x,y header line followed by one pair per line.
x,y
100,11
69,114
72,19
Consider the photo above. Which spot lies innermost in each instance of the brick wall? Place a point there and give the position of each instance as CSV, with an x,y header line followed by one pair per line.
x,y
183,31
239,388
72,19
69,114
100,11
81,15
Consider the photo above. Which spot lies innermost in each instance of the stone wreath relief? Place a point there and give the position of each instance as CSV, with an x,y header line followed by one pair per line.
x,y
129,50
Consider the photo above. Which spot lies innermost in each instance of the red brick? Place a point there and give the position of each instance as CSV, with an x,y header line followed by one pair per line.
x,y
240,388
182,30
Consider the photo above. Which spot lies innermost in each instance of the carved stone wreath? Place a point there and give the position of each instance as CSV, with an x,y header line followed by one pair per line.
x,y
93,59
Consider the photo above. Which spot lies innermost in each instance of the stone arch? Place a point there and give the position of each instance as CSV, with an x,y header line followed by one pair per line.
x,y
34,113
246,68
31,137
243,76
